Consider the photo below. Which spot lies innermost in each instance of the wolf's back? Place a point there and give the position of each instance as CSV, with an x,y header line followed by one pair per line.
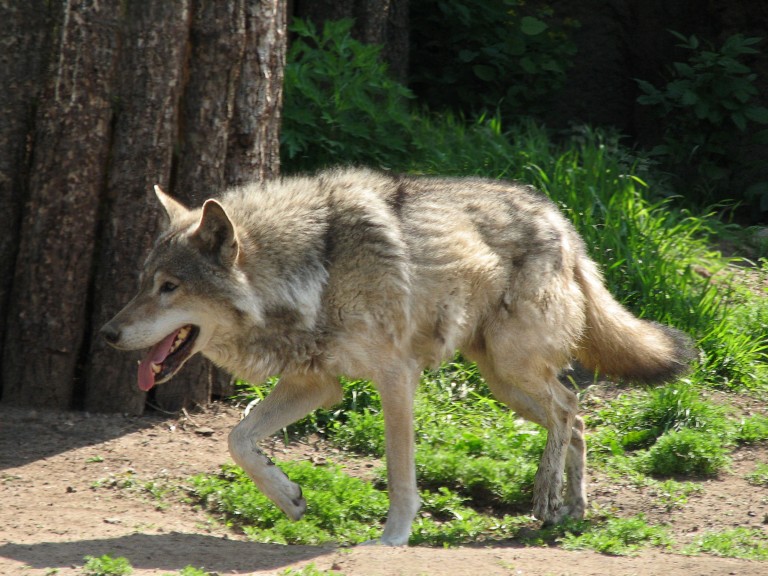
x,y
619,345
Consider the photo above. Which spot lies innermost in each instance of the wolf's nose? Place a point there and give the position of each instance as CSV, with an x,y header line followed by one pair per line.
x,y
110,333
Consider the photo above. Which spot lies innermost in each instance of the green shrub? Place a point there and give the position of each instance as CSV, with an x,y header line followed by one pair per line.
x,y
707,107
474,55
339,103
687,453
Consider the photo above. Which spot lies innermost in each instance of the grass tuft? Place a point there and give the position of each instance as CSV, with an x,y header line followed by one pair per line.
x,y
747,543
618,536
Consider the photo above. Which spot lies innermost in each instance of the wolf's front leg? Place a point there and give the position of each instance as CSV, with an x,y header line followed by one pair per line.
x,y
397,402
291,399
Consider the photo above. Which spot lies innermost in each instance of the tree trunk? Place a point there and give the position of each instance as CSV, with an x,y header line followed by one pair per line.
x,y
46,323
137,93
21,64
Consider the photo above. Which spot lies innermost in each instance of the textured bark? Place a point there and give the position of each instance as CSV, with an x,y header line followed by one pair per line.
x,y
134,93
144,134
21,63
46,319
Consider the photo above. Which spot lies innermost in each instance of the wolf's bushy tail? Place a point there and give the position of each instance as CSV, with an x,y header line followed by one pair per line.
x,y
620,345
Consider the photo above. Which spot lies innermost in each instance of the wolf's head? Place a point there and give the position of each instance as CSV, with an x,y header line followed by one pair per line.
x,y
175,314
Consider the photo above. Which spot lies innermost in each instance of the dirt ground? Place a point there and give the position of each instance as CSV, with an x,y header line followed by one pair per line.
x,y
64,494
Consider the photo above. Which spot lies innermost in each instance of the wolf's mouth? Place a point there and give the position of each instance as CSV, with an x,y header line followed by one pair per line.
x,y
166,357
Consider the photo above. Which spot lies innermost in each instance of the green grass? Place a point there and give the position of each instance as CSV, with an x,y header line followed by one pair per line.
x,y
340,508
106,565
687,453
759,476
747,543
618,536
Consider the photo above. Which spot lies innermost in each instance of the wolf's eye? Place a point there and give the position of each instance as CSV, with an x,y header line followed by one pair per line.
x,y
167,287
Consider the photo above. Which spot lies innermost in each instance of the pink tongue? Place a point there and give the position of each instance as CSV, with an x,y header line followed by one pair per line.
x,y
156,355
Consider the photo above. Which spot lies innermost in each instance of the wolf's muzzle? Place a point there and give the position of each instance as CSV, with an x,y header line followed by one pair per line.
x,y
110,334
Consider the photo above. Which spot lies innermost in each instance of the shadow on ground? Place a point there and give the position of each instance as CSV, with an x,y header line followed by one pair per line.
x,y
172,551
58,432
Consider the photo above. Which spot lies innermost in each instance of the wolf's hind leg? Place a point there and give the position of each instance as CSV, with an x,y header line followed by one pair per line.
x,y
575,472
530,389
291,399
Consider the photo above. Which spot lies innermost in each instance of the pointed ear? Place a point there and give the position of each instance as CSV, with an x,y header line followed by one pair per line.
x,y
174,210
215,235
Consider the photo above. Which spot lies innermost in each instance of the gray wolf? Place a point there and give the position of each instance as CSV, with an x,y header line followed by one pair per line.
x,y
376,276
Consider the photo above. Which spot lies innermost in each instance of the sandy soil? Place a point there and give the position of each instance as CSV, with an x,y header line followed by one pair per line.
x,y
64,494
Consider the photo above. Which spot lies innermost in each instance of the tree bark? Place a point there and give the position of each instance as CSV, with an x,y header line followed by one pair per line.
x,y
144,134
21,63
46,319
137,93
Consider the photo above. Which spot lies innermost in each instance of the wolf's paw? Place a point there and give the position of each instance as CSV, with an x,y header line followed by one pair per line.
x,y
386,542
550,510
291,500
575,509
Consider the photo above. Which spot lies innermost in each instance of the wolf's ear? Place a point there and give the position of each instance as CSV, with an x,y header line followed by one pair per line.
x,y
215,235
174,210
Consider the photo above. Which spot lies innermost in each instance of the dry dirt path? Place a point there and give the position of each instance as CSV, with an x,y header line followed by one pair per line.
x,y
51,516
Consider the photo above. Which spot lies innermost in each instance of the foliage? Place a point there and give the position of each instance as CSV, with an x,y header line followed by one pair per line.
x,y
752,429
191,571
707,106
502,55
687,452
339,102
748,543
641,419
106,566
619,536
759,476
340,508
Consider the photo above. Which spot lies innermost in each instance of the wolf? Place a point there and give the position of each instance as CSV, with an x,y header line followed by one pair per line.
x,y
378,276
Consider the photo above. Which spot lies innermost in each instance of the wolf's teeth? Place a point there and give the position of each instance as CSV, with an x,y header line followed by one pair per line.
x,y
156,368
181,336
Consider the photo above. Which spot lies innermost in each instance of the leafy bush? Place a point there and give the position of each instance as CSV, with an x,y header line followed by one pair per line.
x,y
687,453
707,107
340,105
474,55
